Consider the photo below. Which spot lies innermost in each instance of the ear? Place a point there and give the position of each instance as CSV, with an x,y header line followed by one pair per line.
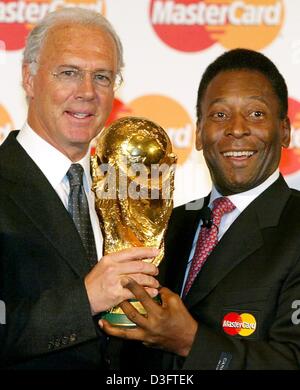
x,y
199,135
285,132
28,80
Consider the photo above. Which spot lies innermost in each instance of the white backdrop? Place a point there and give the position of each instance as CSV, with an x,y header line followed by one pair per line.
x,y
167,46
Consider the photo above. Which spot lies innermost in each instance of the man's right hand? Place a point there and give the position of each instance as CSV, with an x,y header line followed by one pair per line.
x,y
104,284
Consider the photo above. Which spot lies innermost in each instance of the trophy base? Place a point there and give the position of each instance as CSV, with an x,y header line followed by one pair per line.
x,y
118,318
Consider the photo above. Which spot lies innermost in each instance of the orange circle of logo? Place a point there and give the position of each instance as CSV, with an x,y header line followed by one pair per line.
x,y
243,324
6,124
194,25
169,114
18,18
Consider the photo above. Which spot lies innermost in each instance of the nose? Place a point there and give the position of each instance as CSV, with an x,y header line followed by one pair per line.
x,y
85,88
237,127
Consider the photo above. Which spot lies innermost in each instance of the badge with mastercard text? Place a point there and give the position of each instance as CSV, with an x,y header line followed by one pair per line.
x,y
239,324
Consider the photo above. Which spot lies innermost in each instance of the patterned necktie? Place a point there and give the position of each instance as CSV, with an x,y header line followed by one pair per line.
x,y
208,239
79,209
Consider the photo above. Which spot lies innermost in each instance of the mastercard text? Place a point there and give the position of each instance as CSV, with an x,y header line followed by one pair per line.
x,y
236,13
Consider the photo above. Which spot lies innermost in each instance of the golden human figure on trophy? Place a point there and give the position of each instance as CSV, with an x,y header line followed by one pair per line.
x,y
133,180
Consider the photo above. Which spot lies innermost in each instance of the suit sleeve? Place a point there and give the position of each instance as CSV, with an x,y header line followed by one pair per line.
x,y
60,318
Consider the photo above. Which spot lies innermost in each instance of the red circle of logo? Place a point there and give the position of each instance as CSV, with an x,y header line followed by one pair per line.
x,y
15,22
173,23
290,157
232,323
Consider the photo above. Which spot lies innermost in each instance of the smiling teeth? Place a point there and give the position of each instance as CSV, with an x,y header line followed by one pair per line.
x,y
80,115
238,154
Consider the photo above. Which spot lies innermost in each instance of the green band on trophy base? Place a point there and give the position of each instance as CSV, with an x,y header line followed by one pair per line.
x,y
117,317
119,320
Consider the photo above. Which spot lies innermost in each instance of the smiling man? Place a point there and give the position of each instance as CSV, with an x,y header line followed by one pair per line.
x,y
232,262
53,278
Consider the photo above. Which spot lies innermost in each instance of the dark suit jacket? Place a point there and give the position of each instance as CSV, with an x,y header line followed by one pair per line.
x,y
42,270
254,269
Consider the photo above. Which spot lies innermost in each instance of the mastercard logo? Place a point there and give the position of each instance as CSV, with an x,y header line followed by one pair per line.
x,y
167,113
18,18
290,157
191,25
6,124
242,324
119,110
170,115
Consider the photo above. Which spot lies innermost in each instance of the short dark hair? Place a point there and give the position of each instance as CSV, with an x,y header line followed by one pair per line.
x,y
238,59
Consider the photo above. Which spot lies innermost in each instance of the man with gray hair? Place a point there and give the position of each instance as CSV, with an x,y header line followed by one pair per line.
x,y
52,281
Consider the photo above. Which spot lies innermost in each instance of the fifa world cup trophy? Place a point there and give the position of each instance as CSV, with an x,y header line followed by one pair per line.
x,y
133,180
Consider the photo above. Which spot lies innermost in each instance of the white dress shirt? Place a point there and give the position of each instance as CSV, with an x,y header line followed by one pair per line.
x,y
55,166
241,201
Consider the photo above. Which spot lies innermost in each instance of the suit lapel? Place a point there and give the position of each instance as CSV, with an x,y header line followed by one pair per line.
x,y
239,242
242,239
33,194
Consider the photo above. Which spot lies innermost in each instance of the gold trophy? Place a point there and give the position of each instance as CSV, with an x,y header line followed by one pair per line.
x,y
133,179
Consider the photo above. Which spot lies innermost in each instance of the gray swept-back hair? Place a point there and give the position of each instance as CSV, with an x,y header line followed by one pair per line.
x,y
38,35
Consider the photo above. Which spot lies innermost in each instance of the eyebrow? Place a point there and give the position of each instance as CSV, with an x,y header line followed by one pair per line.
x,y
79,68
254,97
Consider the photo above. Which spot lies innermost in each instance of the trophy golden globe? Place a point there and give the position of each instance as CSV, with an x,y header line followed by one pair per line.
x,y
133,179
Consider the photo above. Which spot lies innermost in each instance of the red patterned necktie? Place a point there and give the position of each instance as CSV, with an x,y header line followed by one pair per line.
x,y
208,239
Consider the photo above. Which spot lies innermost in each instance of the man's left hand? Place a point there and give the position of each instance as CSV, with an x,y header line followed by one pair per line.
x,y
168,326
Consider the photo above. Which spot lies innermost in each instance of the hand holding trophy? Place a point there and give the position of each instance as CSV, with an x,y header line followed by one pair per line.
x,y
133,180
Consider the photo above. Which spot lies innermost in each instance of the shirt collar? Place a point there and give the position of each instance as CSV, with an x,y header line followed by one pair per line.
x,y
243,199
51,161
